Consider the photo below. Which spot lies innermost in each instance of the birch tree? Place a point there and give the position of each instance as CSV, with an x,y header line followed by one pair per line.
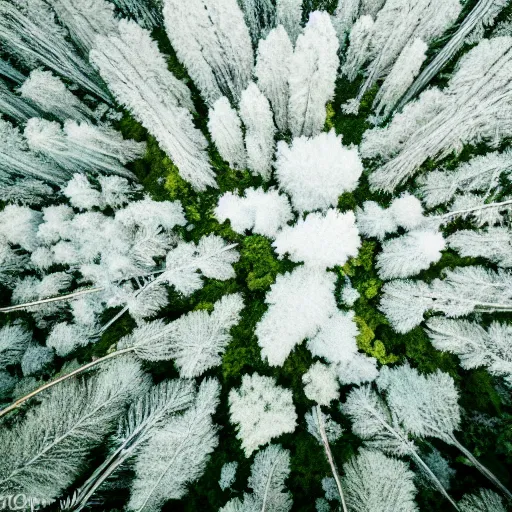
x,y
272,70
212,41
137,74
474,107
313,70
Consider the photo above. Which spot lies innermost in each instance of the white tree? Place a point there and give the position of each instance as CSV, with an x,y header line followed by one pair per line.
x,y
313,70
262,212
177,453
211,39
19,224
35,359
320,384
14,340
272,70
480,174
483,501
475,345
50,94
30,32
269,471
260,16
15,107
462,291
374,221
401,76
299,302
409,254
225,128
358,52
228,475
320,240
473,108
376,483
259,125
261,410
81,193
147,13
10,72
25,191
64,338
289,15
316,171
136,72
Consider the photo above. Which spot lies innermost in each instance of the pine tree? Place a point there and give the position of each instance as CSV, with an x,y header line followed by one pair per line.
x,y
313,70
272,70
137,74
10,72
261,410
212,41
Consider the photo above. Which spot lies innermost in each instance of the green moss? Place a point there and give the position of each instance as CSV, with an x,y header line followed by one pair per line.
x,y
375,348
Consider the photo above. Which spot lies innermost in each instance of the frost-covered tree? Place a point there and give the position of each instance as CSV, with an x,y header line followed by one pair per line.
x,y
50,94
10,72
177,453
29,31
475,345
316,171
396,26
25,191
289,15
15,107
260,16
35,359
19,225
82,147
313,70
225,128
262,212
375,221
16,160
14,340
228,475
299,303
401,76
426,406
495,244
483,501
474,107
137,74
376,483
409,254
256,115
45,451
64,338
480,174
358,51
463,290
212,41
270,469
320,384
147,13
320,240
11,262
272,70
261,410
375,424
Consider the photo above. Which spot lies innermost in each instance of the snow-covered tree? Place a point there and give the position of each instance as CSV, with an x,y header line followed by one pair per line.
x,y
483,501
316,171
50,94
225,128
177,453
472,108
29,31
261,410
401,76
409,254
493,243
480,174
269,471
10,72
358,51
25,191
14,340
475,345
147,13
82,147
299,302
19,225
64,338
228,475
260,16
313,70
11,262
272,70
463,290
374,221
257,117
78,415
320,384
137,74
212,40
289,15
35,359
320,240
15,107
376,483
262,212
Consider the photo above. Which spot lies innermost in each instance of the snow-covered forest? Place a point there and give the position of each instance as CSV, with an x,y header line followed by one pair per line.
x,y
256,255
